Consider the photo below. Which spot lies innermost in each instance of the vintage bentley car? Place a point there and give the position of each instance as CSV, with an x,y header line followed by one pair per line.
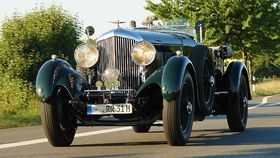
x,y
138,77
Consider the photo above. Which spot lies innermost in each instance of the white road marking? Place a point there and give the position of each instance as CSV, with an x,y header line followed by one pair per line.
x,y
102,132
272,104
44,140
264,101
23,143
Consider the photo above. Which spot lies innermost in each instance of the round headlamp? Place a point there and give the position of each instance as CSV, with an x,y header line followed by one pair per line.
x,y
111,74
143,53
86,55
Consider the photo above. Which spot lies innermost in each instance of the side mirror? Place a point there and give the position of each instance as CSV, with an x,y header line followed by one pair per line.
x,y
224,51
89,30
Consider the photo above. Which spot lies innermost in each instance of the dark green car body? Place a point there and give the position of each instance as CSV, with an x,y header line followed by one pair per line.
x,y
145,88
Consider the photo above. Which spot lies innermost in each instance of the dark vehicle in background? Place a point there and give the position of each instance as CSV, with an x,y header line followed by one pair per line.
x,y
136,77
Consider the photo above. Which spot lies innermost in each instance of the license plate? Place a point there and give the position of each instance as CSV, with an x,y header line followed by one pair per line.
x,y
102,109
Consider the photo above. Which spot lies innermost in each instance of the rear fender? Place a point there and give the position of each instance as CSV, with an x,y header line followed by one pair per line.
x,y
54,73
232,77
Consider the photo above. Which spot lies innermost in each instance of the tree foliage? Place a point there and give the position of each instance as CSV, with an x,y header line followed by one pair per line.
x,y
250,26
263,66
27,41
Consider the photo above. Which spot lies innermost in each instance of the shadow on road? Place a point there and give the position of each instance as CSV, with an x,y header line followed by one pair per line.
x,y
264,115
251,115
251,136
122,144
114,155
265,152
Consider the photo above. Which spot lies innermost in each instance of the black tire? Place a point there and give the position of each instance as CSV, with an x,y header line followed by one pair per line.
x,y
59,126
141,129
204,68
237,108
178,114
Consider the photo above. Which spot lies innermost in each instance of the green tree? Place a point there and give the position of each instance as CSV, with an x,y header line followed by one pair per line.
x,y
27,41
263,67
249,26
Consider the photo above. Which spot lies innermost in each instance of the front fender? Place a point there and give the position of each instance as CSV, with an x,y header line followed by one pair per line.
x,y
232,77
54,73
154,78
173,75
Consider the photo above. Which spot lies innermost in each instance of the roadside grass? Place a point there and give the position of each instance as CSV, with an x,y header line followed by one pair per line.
x,y
25,117
267,88
19,120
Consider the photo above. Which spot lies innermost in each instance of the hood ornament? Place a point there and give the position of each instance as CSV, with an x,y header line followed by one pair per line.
x,y
117,22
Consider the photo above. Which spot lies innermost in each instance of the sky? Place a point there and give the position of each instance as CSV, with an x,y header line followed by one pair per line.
x,y
96,13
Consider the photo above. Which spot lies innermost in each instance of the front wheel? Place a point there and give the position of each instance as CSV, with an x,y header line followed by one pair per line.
x,y
237,108
58,123
178,114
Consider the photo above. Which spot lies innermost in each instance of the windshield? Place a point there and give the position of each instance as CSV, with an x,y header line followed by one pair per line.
x,y
176,26
185,29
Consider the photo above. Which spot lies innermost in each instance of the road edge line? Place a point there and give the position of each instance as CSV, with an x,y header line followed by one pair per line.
x,y
264,101
44,140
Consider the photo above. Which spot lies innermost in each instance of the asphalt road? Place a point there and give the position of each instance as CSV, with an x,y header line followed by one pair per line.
x,y
209,138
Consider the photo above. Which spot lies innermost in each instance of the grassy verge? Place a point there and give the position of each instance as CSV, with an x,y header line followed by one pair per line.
x,y
267,88
19,105
28,116
19,120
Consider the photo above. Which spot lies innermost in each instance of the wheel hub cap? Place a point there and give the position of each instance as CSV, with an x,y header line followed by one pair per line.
x,y
245,102
189,108
212,80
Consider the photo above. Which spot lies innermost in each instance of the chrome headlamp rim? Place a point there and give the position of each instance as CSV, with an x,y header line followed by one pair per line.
x,y
86,60
146,53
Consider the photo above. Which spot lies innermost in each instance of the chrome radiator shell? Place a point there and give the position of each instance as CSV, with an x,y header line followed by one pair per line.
x,y
115,52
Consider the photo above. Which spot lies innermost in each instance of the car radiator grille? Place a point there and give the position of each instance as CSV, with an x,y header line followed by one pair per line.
x,y
115,52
